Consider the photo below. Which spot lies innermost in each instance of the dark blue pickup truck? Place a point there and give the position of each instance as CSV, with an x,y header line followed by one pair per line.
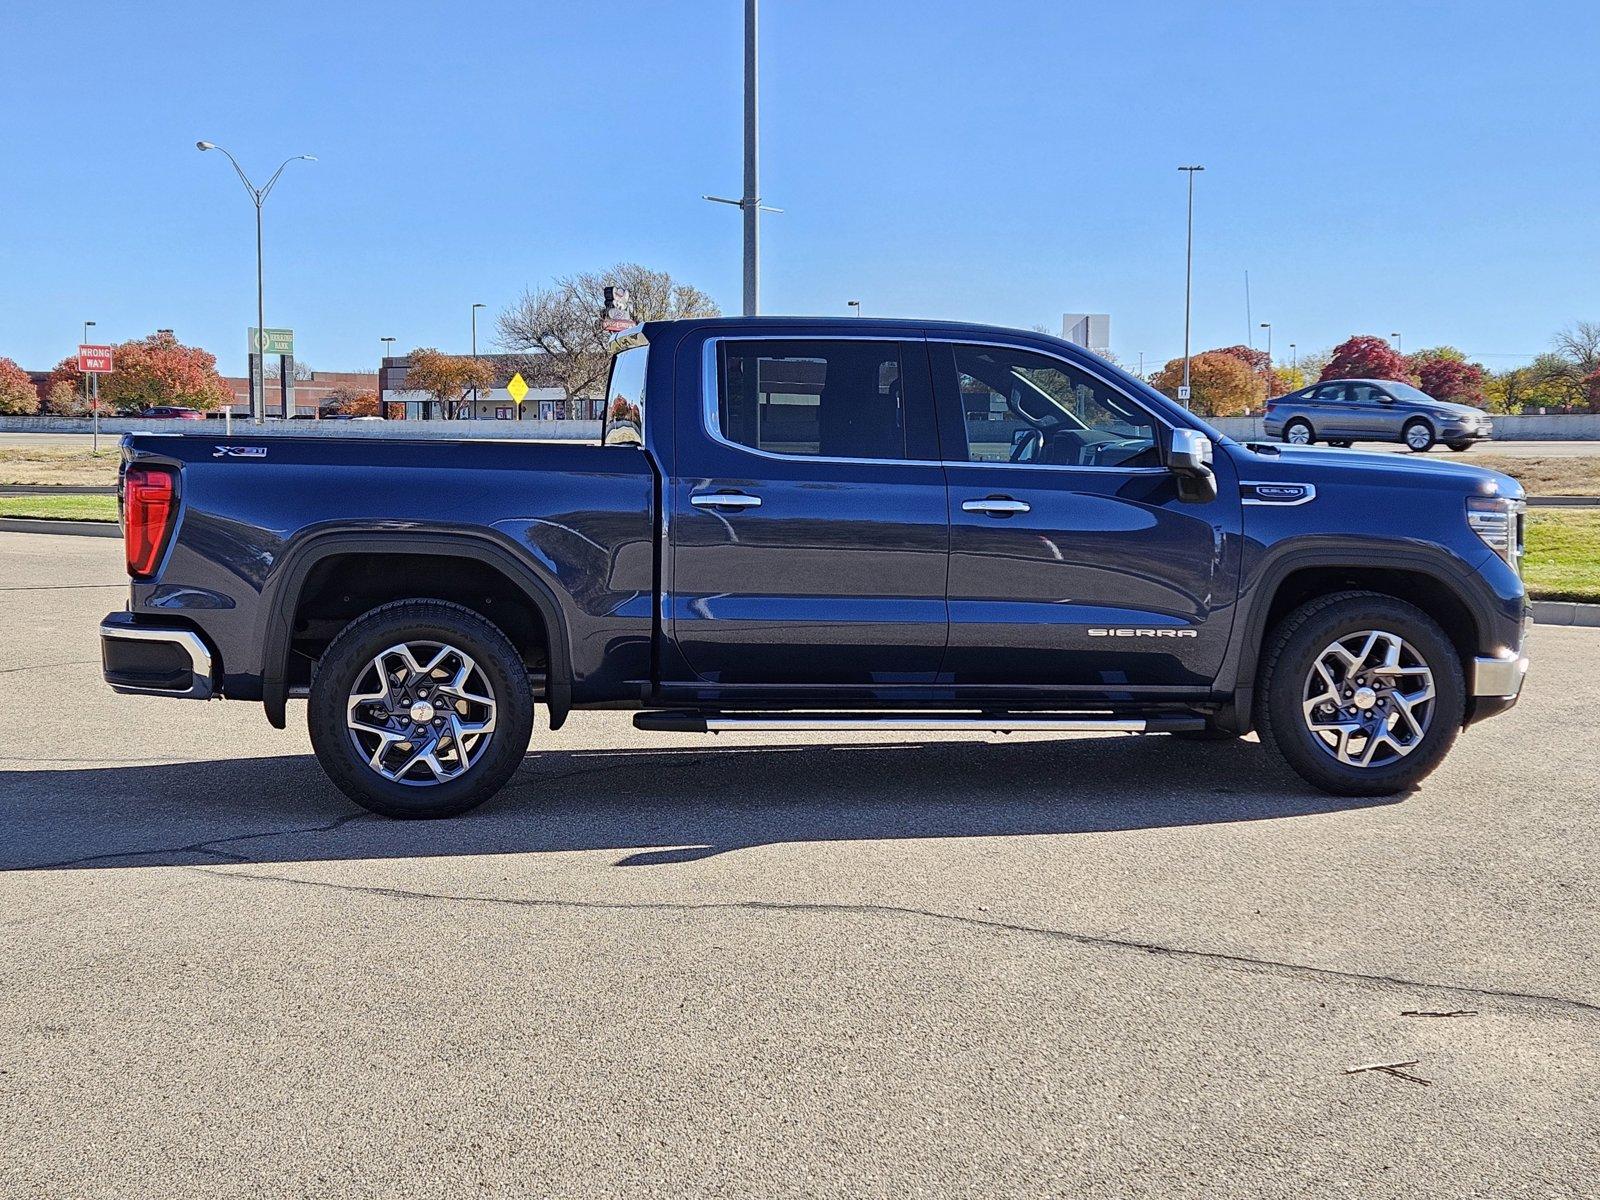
x,y
816,524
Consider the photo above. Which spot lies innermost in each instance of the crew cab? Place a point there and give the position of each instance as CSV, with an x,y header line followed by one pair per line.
x,y
816,524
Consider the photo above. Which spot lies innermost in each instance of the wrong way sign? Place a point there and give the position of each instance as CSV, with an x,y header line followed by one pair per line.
x,y
94,360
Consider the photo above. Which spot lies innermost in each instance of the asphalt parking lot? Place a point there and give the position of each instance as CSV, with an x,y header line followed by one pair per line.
x,y
664,965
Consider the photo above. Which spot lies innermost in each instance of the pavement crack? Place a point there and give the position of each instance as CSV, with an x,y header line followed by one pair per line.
x,y
82,662
1215,958
205,846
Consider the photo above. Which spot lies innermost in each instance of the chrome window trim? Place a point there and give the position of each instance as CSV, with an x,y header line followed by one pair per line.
x,y
710,393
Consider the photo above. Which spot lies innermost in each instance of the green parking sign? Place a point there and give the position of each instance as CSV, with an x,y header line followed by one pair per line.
x,y
279,341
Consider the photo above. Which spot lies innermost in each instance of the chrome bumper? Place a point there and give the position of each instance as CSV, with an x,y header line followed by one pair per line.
x,y
187,677
1501,677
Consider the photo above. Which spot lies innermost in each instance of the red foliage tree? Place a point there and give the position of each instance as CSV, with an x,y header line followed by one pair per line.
x,y
18,398
1256,360
157,369
1448,377
1365,357
1591,390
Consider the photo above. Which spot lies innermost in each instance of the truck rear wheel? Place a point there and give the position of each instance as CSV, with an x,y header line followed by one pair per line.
x,y
420,709
1362,694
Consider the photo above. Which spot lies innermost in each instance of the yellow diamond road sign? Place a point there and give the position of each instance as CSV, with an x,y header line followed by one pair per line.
x,y
518,387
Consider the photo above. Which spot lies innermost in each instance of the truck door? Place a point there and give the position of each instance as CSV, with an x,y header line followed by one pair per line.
x,y
808,532
1072,561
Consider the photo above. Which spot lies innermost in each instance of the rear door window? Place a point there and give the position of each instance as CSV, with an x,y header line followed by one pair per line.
x,y
827,399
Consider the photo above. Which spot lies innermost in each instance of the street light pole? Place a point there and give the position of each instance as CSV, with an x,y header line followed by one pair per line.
x,y
475,309
855,304
1188,275
87,325
388,353
750,205
1267,325
258,196
1399,349
1294,358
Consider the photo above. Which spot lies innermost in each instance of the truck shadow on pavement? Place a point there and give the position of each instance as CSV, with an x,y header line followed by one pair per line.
x,y
659,806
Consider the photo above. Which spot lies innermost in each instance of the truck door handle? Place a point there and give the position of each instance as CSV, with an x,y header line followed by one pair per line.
x,y
725,500
996,506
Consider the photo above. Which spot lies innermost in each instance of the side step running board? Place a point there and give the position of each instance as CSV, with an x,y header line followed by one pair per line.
x,y
790,722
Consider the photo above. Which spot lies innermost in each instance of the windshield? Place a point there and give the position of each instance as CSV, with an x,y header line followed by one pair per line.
x,y
1404,391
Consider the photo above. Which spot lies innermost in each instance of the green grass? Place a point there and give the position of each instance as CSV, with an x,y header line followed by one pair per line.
x,y
60,508
1563,561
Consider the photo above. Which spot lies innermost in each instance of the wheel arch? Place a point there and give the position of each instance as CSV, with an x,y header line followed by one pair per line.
x,y
1425,577
282,599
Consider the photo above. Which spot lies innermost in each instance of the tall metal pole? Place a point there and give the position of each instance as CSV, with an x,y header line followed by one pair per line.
x,y
1267,325
1188,275
258,383
751,203
86,326
475,309
258,196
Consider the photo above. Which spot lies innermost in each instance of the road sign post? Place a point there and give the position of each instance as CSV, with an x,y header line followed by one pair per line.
x,y
95,361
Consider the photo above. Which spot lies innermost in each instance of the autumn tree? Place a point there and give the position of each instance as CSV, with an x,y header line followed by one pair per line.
x,y
1221,384
562,323
1365,357
447,377
18,396
350,402
157,369
1445,374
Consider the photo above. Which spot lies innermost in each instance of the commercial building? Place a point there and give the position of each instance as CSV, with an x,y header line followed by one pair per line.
x,y
311,394
1092,331
490,404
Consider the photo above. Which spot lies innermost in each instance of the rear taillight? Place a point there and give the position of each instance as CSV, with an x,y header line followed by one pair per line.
x,y
149,509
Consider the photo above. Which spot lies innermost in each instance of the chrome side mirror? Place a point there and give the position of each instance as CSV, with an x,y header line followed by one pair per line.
x,y
1189,459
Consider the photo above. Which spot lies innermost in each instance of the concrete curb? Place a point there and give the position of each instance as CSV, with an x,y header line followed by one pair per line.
x,y
1562,612
1545,612
78,528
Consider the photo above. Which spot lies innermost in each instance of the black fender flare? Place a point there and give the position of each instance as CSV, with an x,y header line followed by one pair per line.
x,y
1278,563
281,597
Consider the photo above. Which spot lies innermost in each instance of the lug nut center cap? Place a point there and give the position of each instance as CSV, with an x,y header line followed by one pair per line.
x,y
422,712
1364,699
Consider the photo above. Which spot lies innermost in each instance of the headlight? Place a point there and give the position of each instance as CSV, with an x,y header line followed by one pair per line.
x,y
1498,521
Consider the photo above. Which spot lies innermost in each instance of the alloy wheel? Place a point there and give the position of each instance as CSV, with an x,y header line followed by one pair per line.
x,y
421,713
1299,435
1368,699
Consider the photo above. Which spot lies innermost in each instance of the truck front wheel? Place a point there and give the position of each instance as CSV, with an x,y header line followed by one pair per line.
x,y
1362,694
420,709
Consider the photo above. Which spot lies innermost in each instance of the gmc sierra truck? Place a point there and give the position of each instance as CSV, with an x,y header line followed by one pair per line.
x,y
820,524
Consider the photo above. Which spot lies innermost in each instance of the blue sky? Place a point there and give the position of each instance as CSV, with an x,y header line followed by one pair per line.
x,y
1376,167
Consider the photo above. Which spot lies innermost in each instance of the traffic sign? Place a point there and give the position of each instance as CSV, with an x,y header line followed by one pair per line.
x,y
1183,393
518,387
279,341
94,360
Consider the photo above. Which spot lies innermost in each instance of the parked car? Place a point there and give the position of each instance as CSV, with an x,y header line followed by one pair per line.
x,y
819,524
1344,411
165,412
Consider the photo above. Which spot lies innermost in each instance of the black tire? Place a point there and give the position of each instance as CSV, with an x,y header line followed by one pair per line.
x,y
1458,447
1299,423
348,662
1424,441
1289,657
1340,444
